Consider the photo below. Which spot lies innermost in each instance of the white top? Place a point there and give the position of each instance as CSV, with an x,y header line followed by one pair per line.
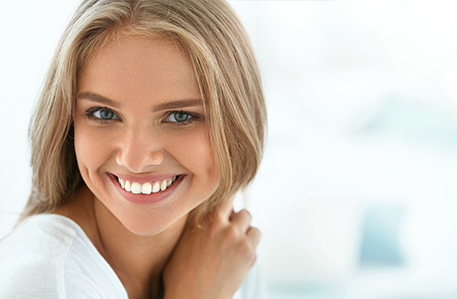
x,y
50,256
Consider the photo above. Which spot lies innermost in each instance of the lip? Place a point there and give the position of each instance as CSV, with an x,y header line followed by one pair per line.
x,y
145,198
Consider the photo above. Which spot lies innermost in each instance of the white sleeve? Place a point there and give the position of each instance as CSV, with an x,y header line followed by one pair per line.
x,y
27,280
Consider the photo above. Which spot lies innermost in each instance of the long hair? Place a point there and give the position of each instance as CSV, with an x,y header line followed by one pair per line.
x,y
226,70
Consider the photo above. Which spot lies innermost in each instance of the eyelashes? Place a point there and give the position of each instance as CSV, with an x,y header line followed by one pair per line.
x,y
181,117
177,117
101,114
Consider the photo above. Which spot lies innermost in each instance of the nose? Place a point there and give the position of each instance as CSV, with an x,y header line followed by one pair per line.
x,y
139,151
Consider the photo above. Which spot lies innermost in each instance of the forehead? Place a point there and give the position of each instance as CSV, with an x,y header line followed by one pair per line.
x,y
138,67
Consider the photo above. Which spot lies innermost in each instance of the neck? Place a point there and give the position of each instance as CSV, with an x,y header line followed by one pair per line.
x,y
138,261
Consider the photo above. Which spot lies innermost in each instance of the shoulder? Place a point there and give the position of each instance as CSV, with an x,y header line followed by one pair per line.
x,y
37,239
48,256
30,257
254,285
40,240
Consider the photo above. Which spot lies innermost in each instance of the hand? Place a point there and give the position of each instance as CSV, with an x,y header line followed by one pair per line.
x,y
211,263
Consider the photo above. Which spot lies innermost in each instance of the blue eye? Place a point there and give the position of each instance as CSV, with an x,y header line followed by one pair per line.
x,y
105,114
178,117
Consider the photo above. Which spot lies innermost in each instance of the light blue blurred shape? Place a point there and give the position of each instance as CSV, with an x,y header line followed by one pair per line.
x,y
300,290
380,237
409,119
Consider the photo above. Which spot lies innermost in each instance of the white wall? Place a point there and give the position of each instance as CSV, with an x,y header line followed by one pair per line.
x,y
29,32
362,113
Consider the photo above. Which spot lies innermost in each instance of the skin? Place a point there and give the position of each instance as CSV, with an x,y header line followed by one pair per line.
x,y
155,253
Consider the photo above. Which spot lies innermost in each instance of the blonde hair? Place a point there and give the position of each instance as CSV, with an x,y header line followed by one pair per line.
x,y
226,70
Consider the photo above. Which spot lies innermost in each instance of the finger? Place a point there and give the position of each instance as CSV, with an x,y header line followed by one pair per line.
x,y
242,219
253,235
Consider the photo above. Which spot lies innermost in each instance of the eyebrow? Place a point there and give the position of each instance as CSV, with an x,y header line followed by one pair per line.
x,y
165,106
97,98
178,104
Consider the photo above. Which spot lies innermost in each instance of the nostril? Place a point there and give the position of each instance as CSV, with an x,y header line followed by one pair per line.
x,y
158,157
140,160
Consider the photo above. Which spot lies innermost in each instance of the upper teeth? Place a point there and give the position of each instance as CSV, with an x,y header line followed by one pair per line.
x,y
146,188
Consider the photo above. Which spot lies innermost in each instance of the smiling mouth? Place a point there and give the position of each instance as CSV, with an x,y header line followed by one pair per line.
x,y
148,187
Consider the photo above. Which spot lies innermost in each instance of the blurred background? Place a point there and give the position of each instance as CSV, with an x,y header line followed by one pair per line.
x,y
356,195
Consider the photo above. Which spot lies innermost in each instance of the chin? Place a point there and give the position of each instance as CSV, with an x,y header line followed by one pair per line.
x,y
151,224
147,231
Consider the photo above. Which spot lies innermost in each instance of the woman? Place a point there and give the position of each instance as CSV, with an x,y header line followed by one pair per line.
x,y
150,120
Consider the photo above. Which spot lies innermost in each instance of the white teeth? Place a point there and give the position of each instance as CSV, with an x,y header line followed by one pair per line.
x,y
156,187
127,186
136,188
146,188
163,186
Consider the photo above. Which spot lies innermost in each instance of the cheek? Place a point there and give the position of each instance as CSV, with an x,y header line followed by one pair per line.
x,y
194,151
91,147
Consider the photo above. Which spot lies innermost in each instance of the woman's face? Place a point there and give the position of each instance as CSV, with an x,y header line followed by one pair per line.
x,y
141,139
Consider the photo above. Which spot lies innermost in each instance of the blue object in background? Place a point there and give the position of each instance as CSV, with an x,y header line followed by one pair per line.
x,y
380,237
411,119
